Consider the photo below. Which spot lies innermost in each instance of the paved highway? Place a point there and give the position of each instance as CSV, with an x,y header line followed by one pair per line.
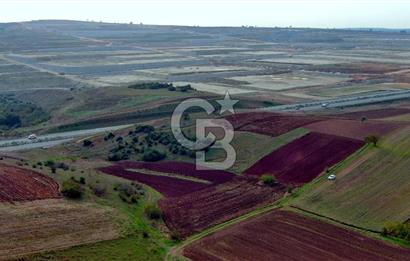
x,y
50,140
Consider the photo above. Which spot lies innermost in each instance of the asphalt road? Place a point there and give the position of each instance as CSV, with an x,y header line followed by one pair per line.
x,y
50,140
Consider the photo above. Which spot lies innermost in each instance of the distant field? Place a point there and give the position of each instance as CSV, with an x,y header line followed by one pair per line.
x,y
289,81
281,235
351,90
371,189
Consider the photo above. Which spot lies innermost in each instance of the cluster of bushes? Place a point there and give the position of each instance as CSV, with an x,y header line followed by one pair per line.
x,y
144,140
151,85
55,165
153,212
73,188
15,113
129,193
160,85
398,230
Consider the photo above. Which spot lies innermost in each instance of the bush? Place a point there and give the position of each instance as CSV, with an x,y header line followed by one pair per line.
x,y
398,230
109,136
99,190
153,155
152,212
71,189
87,143
372,139
129,194
268,180
144,129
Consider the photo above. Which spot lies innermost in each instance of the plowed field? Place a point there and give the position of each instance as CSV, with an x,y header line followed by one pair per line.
x,y
354,129
199,210
172,179
18,184
305,158
272,124
282,235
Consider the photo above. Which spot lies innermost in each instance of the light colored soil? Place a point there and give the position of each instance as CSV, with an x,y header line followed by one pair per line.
x,y
46,225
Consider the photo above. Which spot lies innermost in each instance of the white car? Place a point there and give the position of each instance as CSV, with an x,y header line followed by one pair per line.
x,y
324,105
32,137
331,177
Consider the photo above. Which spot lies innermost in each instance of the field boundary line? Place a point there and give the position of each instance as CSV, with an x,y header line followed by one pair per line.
x,y
335,220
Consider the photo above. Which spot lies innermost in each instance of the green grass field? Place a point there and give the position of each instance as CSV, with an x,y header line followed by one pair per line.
x,y
372,186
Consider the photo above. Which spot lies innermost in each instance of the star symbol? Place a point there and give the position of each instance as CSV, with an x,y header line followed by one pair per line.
x,y
227,104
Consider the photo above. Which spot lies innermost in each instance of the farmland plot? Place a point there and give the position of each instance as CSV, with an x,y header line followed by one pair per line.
x,y
370,190
169,178
196,211
282,235
271,124
18,184
304,159
354,129
279,82
375,114
52,224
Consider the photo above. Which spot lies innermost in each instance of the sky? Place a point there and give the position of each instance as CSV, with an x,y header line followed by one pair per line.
x,y
270,13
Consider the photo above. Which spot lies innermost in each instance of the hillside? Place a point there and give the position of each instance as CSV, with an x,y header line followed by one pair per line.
x,y
372,188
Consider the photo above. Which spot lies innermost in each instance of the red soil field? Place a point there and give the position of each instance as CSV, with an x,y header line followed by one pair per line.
x,y
374,114
217,204
272,124
167,185
305,158
282,235
18,184
352,128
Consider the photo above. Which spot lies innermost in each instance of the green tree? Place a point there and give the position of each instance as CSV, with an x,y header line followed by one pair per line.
x,y
372,139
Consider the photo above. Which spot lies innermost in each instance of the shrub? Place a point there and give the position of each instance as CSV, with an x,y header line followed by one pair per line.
x,y
99,190
152,212
109,136
268,180
398,230
87,143
144,129
153,155
71,189
129,193
372,139
49,163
